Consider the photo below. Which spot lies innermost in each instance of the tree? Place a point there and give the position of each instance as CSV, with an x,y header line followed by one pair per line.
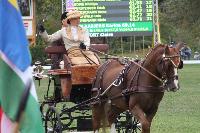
x,y
180,19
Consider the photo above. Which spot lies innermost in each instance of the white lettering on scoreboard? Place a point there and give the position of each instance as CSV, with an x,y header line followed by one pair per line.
x,y
101,34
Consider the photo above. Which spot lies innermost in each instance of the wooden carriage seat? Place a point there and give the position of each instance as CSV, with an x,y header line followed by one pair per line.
x,y
78,74
56,58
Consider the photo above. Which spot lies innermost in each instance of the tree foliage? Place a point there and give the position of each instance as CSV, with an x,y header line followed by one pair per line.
x,y
180,21
48,12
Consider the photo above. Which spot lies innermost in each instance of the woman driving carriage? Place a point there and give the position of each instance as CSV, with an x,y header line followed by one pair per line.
x,y
74,37
77,42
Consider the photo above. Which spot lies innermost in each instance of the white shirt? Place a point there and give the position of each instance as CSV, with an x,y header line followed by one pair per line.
x,y
74,33
70,36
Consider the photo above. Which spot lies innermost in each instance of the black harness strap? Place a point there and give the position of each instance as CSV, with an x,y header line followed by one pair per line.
x,y
122,79
100,72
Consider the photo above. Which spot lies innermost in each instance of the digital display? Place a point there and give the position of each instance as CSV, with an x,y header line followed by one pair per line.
x,y
108,18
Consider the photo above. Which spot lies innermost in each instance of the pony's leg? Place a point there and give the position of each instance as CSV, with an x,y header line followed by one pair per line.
x,y
112,129
151,114
112,115
97,117
96,131
140,115
96,120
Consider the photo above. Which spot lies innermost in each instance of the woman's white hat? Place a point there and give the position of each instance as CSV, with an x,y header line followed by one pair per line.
x,y
73,14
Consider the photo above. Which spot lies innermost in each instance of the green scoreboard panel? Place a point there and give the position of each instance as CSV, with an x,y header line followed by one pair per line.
x,y
109,18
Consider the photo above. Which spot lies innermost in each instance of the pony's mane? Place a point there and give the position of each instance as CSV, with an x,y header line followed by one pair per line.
x,y
154,49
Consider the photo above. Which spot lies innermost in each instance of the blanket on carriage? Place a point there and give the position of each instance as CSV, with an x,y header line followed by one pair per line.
x,y
82,57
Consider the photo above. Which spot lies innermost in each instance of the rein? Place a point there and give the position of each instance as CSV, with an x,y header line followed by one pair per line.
x,y
87,58
159,79
103,53
150,73
90,61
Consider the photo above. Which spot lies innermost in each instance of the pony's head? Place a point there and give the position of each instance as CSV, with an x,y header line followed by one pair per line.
x,y
168,67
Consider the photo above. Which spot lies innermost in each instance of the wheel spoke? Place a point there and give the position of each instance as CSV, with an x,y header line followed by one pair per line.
x,y
52,121
126,123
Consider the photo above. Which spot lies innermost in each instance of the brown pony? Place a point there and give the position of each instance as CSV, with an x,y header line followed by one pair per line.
x,y
136,86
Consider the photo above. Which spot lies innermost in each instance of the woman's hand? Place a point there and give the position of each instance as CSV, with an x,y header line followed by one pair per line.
x,y
82,46
41,28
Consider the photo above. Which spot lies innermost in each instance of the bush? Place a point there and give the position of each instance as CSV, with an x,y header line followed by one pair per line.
x,y
38,53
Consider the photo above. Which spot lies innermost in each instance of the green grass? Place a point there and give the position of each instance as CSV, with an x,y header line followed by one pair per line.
x,y
179,112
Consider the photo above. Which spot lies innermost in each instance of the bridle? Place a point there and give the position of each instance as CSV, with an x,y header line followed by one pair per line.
x,y
170,59
163,60
176,66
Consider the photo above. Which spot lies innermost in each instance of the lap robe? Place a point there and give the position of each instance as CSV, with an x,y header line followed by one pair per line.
x,y
82,57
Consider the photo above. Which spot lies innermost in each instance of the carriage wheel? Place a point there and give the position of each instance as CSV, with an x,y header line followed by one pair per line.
x,y
133,126
67,119
52,121
43,110
126,123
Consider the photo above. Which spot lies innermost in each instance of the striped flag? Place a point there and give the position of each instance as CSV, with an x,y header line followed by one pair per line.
x,y
15,72
0,117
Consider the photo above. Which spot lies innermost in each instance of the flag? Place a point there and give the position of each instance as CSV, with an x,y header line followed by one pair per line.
x,y
15,70
0,118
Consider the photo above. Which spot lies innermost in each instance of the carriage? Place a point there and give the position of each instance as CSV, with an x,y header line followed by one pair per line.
x,y
68,100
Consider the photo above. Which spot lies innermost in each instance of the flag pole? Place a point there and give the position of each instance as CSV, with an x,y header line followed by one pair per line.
x,y
22,106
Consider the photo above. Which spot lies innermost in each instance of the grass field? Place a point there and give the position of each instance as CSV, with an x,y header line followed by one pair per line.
x,y
178,112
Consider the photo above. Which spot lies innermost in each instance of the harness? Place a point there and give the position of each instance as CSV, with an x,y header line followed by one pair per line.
x,y
120,80
131,89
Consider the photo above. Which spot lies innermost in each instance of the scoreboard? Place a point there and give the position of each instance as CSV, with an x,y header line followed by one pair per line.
x,y
109,18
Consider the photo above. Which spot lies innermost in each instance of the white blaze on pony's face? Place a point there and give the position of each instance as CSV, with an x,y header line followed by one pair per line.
x,y
172,64
176,82
172,83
